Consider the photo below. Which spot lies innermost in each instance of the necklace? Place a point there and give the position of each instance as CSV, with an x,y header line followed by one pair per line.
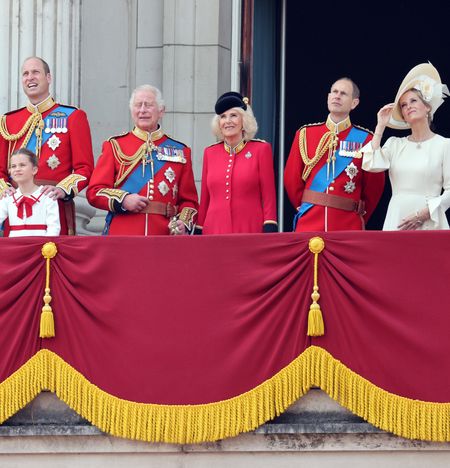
x,y
419,142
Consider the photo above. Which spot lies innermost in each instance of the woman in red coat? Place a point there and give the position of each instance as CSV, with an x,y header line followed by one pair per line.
x,y
238,183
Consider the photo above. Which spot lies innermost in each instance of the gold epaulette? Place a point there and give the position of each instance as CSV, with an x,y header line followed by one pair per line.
x,y
259,140
14,111
176,141
69,106
364,129
315,124
216,143
117,136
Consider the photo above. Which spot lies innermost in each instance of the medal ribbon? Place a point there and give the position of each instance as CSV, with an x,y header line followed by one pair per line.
x,y
33,141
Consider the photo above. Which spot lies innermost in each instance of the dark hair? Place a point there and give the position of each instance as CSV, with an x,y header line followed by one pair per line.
x,y
31,156
355,92
44,63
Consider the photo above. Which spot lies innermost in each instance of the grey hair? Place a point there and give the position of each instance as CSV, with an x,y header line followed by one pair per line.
x,y
149,88
249,124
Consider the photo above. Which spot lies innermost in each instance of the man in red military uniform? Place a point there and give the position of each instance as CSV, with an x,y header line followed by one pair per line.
x,y
323,176
58,134
144,178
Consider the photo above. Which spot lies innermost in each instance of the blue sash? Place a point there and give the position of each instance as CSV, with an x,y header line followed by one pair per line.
x,y
320,181
67,111
138,178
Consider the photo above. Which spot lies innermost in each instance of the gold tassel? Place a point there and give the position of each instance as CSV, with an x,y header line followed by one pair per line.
x,y
47,327
316,326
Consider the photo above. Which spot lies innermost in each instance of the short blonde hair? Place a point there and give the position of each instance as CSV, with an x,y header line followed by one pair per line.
x,y
249,124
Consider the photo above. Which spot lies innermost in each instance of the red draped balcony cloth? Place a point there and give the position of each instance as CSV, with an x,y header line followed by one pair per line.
x,y
190,339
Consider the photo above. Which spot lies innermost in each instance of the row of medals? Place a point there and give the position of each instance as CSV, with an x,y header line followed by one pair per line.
x,y
350,149
56,125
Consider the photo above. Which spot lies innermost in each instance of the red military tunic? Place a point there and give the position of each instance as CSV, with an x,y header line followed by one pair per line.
x,y
173,185
352,184
65,159
238,190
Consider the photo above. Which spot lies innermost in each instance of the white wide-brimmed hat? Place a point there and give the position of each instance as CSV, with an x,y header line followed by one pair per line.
x,y
424,78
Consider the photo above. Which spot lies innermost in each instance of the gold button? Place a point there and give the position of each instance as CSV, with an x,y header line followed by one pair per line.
x,y
331,188
150,197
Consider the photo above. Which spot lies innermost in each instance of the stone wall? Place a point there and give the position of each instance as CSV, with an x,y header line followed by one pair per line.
x,y
100,50
315,432
181,46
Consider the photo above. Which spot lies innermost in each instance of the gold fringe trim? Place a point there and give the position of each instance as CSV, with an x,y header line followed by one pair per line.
x,y
183,424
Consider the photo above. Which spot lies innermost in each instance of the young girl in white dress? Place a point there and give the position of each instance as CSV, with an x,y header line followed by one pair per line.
x,y
29,211
418,164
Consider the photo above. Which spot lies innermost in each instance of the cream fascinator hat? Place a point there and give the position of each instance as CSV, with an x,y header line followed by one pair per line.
x,y
424,78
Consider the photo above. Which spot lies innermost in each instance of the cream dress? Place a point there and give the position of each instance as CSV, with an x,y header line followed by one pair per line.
x,y
419,175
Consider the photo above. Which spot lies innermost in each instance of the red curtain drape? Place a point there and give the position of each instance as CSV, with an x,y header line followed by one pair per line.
x,y
386,303
198,320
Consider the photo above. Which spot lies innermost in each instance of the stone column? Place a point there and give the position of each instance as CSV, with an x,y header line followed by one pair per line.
x,y
99,50
107,71
181,46
196,68
49,29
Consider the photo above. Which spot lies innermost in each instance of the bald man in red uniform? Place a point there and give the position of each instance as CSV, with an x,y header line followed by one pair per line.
x,y
323,176
144,178
58,134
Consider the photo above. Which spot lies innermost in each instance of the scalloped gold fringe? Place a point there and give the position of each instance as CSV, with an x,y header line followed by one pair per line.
x,y
182,424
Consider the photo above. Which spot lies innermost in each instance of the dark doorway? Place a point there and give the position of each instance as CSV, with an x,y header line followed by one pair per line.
x,y
374,43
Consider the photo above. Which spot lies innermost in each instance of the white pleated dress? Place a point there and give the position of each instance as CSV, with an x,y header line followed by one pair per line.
x,y
44,220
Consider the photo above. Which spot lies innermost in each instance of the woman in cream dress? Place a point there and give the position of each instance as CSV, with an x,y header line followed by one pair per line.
x,y
418,164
